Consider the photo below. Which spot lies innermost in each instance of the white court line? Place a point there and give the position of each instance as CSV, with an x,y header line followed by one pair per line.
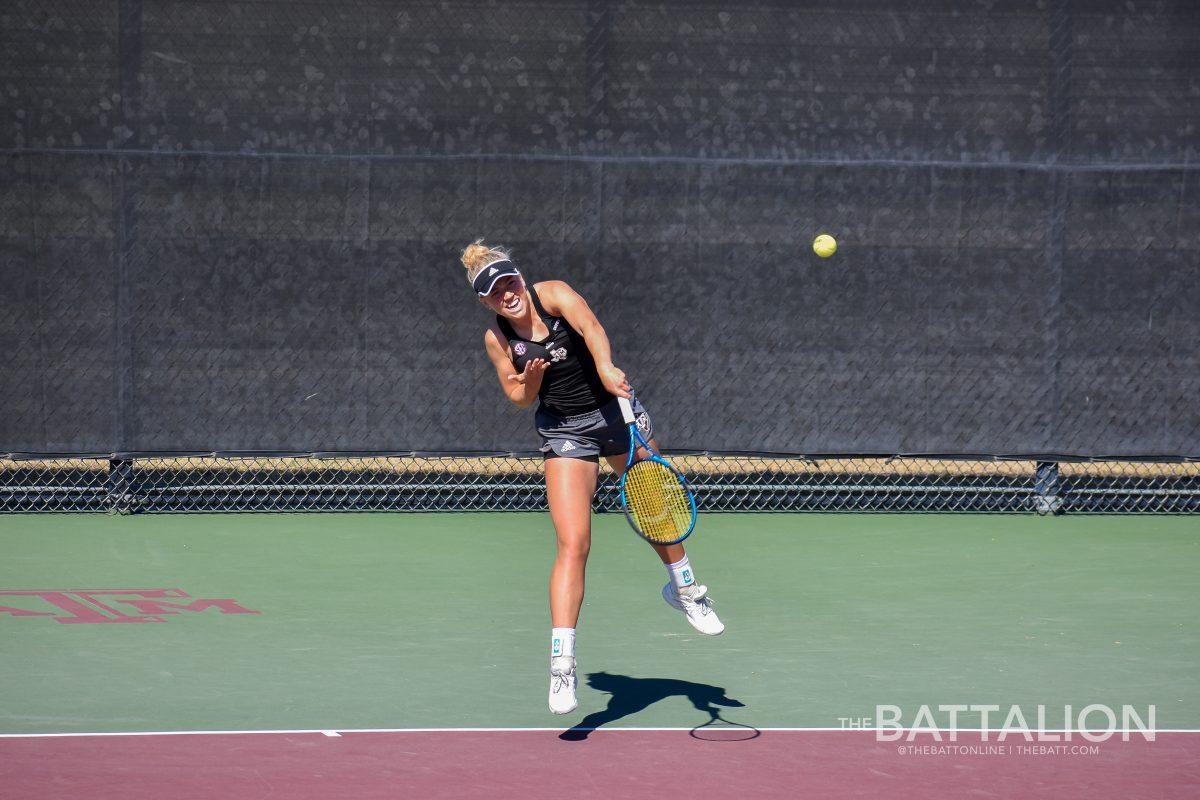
x,y
335,732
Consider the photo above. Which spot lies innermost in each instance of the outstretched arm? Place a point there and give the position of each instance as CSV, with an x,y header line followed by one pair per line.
x,y
561,300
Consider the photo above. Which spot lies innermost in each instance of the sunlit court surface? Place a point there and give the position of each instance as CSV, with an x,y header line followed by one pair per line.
x,y
354,655
620,400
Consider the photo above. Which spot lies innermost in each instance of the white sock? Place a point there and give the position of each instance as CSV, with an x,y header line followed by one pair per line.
x,y
562,642
681,574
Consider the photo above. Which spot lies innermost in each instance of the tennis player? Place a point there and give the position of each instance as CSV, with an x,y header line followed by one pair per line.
x,y
547,345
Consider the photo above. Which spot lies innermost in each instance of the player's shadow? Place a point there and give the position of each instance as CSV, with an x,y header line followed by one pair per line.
x,y
630,695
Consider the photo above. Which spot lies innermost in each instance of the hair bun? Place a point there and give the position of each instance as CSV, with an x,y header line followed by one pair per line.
x,y
477,255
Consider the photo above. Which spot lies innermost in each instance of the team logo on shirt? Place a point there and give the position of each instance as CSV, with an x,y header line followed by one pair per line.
x,y
519,348
558,354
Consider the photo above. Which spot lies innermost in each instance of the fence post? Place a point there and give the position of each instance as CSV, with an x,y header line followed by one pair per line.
x,y
119,489
1045,487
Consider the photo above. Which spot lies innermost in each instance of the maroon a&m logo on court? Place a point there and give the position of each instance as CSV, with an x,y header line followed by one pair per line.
x,y
91,606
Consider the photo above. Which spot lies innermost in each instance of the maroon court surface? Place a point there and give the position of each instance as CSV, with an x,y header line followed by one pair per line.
x,y
607,765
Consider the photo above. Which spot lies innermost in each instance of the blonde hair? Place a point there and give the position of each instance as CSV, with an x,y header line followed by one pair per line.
x,y
478,255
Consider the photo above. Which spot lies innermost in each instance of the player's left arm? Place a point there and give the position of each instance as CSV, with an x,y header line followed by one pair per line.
x,y
563,301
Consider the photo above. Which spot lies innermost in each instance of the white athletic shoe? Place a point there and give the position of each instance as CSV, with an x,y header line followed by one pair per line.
x,y
697,605
562,685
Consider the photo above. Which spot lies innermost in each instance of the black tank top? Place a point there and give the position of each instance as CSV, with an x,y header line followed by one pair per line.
x,y
571,385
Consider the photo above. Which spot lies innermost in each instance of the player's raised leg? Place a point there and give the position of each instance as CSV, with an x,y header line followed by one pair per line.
x,y
570,485
682,592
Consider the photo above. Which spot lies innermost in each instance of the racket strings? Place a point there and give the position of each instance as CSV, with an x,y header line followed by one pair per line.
x,y
657,502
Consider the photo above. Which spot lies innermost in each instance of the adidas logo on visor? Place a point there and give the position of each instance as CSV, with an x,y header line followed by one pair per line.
x,y
486,280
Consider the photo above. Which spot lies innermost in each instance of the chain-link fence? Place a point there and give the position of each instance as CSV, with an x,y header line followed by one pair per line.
x,y
513,481
232,226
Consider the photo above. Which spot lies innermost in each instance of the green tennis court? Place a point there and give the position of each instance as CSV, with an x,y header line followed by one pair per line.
x,y
386,622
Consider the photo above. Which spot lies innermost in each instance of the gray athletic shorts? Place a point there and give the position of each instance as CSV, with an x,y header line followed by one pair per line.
x,y
588,436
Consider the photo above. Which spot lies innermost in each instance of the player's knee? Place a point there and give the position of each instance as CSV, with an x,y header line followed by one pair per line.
x,y
574,548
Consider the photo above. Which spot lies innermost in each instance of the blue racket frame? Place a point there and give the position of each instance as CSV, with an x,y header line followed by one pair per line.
x,y
635,436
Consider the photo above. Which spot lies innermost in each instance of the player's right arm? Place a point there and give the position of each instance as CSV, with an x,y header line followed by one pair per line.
x,y
521,389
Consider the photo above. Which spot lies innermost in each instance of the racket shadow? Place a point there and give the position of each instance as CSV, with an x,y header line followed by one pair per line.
x,y
630,695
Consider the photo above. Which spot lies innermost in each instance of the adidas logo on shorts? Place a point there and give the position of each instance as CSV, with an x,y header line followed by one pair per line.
x,y
568,446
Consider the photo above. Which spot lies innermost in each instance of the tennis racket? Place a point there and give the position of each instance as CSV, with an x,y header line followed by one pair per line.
x,y
654,496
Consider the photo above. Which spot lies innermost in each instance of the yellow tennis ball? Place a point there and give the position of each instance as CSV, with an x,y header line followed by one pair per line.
x,y
824,245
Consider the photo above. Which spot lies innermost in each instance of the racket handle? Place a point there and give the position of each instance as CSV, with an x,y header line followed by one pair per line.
x,y
626,410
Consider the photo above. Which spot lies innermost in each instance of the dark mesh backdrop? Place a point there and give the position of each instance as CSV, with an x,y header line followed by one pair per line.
x,y
235,226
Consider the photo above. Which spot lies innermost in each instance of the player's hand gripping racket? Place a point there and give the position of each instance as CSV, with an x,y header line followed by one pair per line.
x,y
655,497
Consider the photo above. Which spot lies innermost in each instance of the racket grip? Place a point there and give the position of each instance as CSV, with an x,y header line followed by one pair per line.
x,y
626,410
